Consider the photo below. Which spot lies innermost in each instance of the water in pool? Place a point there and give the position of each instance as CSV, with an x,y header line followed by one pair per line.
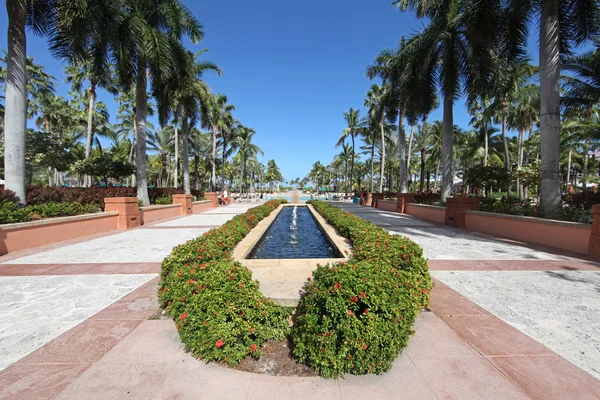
x,y
294,234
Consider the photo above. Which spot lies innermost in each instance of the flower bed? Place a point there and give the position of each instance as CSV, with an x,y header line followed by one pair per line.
x,y
220,313
356,317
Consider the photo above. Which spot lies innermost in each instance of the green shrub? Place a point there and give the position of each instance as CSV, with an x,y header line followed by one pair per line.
x,y
164,200
220,313
356,317
11,212
52,209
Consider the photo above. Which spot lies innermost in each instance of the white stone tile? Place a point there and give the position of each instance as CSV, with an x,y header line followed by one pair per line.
x,y
138,245
36,309
560,309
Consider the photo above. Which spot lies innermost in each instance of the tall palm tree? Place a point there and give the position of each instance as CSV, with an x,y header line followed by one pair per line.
x,y
149,43
563,25
442,53
216,120
353,125
161,141
375,102
246,149
77,73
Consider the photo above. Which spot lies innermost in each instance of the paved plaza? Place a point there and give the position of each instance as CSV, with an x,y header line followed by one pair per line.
x,y
506,321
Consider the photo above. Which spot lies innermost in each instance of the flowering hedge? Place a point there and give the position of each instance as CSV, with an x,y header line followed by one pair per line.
x,y
220,313
356,317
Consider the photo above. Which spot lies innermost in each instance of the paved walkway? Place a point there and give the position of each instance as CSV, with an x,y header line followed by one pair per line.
x,y
505,319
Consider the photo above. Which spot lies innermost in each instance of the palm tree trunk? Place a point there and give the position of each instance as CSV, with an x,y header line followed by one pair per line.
x,y
586,158
550,108
90,121
569,166
140,119
196,172
447,142
213,176
409,154
520,161
185,154
382,172
352,162
505,141
372,161
132,148
485,145
176,172
15,112
223,166
402,150
422,180
435,177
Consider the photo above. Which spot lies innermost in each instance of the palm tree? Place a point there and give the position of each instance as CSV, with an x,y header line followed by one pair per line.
x,y
510,79
376,105
77,73
353,125
161,141
216,119
246,149
150,43
442,53
563,25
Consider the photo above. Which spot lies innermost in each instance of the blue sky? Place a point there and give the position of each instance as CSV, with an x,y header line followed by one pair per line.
x,y
290,68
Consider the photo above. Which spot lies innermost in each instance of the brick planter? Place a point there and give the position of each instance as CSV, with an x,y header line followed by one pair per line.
x,y
185,200
212,196
374,198
127,207
455,210
594,243
402,200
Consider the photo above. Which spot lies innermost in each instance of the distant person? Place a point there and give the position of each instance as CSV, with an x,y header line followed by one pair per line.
x,y
225,196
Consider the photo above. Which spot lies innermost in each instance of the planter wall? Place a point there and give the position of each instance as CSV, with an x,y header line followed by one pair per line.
x,y
25,235
430,213
569,236
156,213
200,206
386,205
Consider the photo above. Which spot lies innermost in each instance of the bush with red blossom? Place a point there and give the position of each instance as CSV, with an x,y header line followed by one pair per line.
x,y
356,317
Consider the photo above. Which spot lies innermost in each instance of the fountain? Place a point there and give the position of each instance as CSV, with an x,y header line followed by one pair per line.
x,y
295,233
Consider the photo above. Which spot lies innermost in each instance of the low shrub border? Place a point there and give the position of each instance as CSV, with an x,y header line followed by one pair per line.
x,y
220,313
356,317
11,212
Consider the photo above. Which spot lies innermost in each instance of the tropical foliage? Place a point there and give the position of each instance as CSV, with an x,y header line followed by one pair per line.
x,y
124,48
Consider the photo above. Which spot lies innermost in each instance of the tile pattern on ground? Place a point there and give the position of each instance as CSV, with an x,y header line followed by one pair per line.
x,y
151,363
137,245
37,309
441,242
560,309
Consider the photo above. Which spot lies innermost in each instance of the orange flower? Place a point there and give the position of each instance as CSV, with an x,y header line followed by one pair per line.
x,y
364,346
219,344
353,299
252,348
182,317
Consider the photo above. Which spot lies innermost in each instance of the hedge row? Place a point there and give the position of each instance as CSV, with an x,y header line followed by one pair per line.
x,y
94,194
11,212
220,313
356,317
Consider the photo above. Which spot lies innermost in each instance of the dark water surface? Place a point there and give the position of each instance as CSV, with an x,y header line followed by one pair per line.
x,y
307,241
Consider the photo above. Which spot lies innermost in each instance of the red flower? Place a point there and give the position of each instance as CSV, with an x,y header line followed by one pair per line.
x,y
353,299
219,344
362,295
308,279
350,312
337,286
183,317
252,348
366,311
192,282
364,346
